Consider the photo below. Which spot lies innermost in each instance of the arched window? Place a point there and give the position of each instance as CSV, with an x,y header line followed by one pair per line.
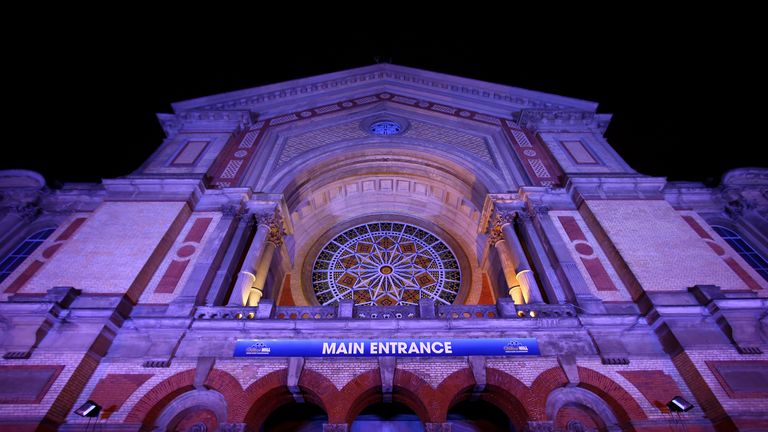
x,y
746,251
22,251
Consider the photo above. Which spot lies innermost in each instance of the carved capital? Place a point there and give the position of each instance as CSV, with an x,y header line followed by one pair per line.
x,y
276,232
266,219
496,234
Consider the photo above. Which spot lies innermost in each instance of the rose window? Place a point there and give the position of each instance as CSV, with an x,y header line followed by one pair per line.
x,y
386,264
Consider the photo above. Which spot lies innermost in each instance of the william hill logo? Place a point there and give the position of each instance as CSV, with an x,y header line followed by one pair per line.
x,y
515,346
259,348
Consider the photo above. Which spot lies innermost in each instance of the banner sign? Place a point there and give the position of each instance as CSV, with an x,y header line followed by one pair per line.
x,y
385,347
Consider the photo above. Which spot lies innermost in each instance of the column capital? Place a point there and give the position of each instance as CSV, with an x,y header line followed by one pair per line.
x,y
276,232
266,219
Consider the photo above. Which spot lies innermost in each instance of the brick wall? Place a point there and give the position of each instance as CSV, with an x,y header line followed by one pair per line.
x,y
115,251
44,253
166,284
75,369
593,263
341,371
659,248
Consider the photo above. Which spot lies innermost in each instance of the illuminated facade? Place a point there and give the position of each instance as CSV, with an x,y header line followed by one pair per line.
x,y
384,203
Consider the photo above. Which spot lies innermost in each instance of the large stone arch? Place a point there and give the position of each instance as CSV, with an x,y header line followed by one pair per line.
x,y
567,396
354,158
333,190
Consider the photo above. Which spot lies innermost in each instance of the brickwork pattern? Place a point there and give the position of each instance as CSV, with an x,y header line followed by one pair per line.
x,y
134,367
115,250
661,250
185,250
113,390
24,272
601,277
433,372
341,371
641,379
711,395
75,368
746,273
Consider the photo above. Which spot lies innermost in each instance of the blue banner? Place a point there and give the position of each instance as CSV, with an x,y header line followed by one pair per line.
x,y
385,347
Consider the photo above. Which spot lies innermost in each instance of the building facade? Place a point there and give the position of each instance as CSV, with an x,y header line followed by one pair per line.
x,y
384,203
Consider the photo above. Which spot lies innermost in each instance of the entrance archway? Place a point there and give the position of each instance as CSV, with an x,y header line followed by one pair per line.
x,y
295,417
387,417
478,416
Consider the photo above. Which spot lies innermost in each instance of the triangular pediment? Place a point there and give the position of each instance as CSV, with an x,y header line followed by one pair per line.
x,y
493,99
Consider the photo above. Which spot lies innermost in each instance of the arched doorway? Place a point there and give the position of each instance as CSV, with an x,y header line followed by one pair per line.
x,y
387,417
295,417
478,416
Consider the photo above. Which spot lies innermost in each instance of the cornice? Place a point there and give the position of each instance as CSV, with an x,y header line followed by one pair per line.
x,y
515,98
536,119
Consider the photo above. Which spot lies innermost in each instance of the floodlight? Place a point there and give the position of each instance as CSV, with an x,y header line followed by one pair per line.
x,y
88,409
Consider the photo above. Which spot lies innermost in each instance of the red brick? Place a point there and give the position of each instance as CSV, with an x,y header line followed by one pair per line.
x,y
114,389
658,387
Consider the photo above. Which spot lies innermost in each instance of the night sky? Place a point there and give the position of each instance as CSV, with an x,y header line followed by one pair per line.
x,y
84,101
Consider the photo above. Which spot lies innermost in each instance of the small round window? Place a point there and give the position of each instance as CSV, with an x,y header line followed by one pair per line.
x,y
385,127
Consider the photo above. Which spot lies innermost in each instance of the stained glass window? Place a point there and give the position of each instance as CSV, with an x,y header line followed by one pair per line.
x,y
22,251
744,249
386,264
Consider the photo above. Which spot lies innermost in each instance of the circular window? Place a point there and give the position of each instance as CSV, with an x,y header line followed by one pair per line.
x,y
385,127
386,264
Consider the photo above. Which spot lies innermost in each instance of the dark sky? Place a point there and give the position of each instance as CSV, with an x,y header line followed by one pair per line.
x,y
84,101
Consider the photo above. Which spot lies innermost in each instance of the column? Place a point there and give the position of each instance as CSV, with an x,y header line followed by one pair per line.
x,y
246,278
523,271
507,264
273,241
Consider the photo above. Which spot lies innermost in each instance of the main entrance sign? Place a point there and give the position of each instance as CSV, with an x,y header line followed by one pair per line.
x,y
388,347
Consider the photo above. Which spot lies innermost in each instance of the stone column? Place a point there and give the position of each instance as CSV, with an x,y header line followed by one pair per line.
x,y
507,264
523,271
274,240
246,278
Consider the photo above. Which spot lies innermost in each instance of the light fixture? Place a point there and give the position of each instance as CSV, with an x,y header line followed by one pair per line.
x,y
88,409
251,315
532,314
521,314
678,404
239,315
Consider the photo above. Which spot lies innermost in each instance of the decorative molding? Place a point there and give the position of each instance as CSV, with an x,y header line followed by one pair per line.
x,y
387,73
538,163
544,119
